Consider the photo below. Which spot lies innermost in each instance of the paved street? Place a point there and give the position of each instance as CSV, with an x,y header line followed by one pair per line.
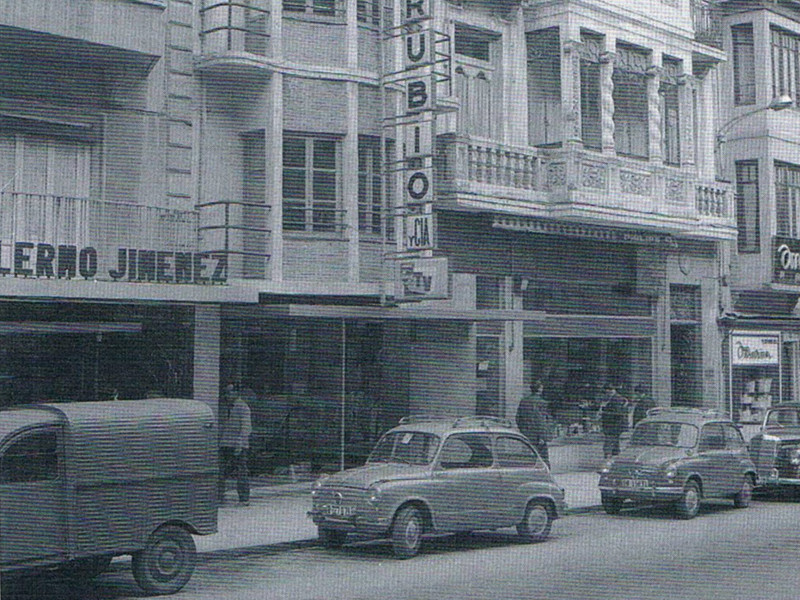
x,y
641,554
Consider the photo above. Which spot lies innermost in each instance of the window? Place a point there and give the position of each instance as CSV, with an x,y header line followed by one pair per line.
x,y
785,62
33,457
513,452
744,78
545,125
473,81
712,437
369,11
787,199
311,186
747,206
630,103
254,225
733,438
373,210
591,129
317,7
670,113
467,451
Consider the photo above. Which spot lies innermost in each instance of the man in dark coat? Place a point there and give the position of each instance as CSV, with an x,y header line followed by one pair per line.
x,y
532,420
613,420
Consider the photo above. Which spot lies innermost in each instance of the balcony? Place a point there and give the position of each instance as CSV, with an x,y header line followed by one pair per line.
x,y
581,186
52,221
235,34
125,25
707,21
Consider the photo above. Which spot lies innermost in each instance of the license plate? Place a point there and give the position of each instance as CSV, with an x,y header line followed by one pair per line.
x,y
634,484
337,510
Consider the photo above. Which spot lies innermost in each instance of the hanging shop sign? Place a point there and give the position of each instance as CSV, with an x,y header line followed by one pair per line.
x,y
419,230
755,348
423,278
786,260
65,261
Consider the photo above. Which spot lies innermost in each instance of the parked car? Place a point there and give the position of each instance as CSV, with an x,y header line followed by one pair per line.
x,y
83,482
776,448
679,456
440,475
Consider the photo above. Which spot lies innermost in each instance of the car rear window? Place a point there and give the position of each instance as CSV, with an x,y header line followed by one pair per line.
x,y
410,447
664,433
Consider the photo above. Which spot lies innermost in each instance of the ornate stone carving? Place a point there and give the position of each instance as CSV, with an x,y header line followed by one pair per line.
x,y
607,104
674,190
593,175
556,174
631,182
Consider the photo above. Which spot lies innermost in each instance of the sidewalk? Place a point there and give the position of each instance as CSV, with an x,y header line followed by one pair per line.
x,y
276,515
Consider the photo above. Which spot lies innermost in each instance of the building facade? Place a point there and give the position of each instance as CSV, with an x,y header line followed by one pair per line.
x,y
362,209
759,151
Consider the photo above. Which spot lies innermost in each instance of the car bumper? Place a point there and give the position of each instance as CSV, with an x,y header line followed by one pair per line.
x,y
358,524
644,494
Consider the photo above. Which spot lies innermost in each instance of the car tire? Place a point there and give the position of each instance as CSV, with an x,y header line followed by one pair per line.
x,y
167,561
536,523
611,504
331,538
689,504
407,531
745,494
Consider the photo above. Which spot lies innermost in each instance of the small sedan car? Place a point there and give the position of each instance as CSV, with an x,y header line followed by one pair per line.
x,y
776,448
679,456
440,475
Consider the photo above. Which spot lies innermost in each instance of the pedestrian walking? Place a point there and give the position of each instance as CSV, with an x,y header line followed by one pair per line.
x,y
643,403
533,420
613,420
235,429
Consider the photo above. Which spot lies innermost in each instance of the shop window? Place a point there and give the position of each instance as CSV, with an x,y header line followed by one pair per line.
x,y
630,103
591,128
787,199
785,62
670,112
475,56
747,206
31,458
311,184
374,208
545,125
744,75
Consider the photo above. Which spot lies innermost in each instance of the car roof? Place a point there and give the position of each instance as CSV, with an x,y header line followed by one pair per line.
x,y
795,405
443,425
690,416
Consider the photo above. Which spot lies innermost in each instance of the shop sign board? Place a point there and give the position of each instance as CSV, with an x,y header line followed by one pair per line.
x,y
755,348
419,230
139,265
786,260
422,278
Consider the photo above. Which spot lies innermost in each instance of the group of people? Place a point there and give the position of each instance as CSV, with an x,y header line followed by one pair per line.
x,y
535,422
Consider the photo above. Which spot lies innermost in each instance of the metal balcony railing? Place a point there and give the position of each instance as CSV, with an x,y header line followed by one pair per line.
x,y
235,26
239,230
707,22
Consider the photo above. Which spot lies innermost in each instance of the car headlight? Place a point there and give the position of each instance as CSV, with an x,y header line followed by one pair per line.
x,y
374,494
794,456
318,484
606,466
670,470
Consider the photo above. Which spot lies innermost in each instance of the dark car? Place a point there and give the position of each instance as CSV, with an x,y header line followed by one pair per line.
x,y
776,448
679,456
440,475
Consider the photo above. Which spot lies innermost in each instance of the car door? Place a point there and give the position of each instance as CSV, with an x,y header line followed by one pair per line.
x,y
712,460
33,498
738,458
521,469
465,483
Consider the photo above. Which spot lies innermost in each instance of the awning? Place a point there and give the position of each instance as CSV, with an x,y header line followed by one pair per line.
x,y
60,327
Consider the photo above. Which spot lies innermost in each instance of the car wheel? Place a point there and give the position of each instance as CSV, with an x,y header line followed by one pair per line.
x,y
84,568
745,494
689,504
611,504
167,561
407,531
331,538
536,524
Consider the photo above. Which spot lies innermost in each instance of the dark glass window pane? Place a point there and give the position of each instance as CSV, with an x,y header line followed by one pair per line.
x,y
324,154
294,152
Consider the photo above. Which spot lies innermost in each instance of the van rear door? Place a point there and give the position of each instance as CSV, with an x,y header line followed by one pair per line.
x,y
33,498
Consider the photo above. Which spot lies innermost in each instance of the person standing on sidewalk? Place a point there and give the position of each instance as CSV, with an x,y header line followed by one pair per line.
x,y
613,420
532,420
234,442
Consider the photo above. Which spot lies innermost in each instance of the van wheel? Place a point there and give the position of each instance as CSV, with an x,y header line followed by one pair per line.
x,y
167,561
535,527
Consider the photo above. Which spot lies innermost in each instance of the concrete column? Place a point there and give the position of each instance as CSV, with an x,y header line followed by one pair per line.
x,y
207,335
662,351
350,182
571,87
686,112
607,59
273,156
654,132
